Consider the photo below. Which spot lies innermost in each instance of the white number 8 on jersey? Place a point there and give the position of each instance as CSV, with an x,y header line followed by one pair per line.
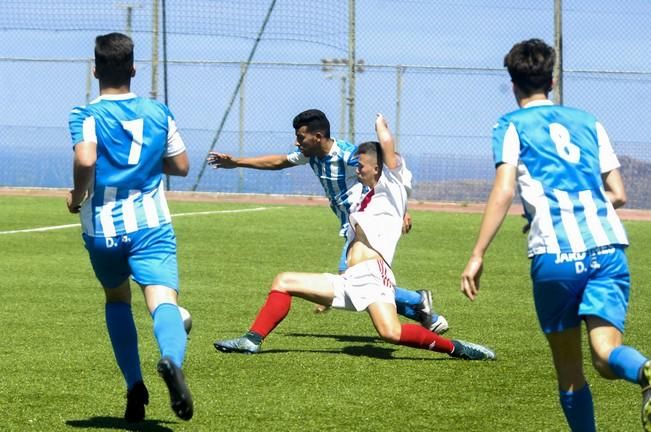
x,y
561,137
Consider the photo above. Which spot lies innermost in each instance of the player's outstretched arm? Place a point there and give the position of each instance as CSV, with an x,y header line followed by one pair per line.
x,y
178,165
267,162
386,141
499,202
83,173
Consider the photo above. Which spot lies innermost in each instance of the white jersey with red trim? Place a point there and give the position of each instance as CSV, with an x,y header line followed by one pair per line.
x,y
381,211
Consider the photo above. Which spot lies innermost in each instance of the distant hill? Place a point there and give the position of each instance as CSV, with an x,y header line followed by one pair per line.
x,y
637,178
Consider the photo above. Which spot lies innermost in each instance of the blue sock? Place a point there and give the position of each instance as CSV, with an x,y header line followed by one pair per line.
x,y
578,409
407,303
169,332
626,362
124,338
407,297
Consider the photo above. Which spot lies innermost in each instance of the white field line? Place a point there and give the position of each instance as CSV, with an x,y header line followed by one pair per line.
x,y
58,227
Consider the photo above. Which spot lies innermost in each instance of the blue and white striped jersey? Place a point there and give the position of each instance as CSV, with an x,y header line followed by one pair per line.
x,y
336,172
560,154
133,135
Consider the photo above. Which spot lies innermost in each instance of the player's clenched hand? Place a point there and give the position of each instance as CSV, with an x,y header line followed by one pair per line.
x,y
220,160
73,202
470,277
406,223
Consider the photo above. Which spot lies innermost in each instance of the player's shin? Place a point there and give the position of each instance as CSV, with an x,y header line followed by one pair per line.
x,y
578,409
415,336
124,338
626,362
170,332
272,313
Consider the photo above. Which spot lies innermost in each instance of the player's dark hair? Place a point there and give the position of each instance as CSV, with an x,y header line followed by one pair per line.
x,y
372,148
315,120
531,64
113,58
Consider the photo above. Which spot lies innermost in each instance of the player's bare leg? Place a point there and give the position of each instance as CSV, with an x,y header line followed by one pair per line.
x,y
385,320
313,287
388,326
614,360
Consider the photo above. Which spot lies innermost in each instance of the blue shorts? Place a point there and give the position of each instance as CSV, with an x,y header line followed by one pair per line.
x,y
148,255
568,287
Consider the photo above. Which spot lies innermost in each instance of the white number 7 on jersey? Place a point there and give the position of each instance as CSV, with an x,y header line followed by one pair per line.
x,y
561,137
135,127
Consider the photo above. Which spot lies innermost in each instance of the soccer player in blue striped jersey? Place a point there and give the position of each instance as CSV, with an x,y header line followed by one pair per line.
x,y
123,144
334,163
562,163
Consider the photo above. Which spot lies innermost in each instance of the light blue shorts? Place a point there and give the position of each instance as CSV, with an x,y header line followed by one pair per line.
x,y
148,255
568,287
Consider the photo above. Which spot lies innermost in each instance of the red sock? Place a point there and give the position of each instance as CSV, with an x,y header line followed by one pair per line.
x,y
416,336
272,313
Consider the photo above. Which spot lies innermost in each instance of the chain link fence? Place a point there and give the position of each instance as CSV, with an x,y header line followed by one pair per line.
x,y
236,73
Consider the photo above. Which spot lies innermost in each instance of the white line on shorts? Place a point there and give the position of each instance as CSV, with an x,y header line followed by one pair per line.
x,y
58,227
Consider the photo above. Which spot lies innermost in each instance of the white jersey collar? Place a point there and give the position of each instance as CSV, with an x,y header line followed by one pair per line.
x,y
115,97
334,150
540,102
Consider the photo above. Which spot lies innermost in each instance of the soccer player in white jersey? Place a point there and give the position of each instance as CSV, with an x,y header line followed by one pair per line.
x,y
567,175
334,163
123,144
375,226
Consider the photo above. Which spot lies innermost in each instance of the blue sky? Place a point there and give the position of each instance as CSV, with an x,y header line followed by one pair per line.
x,y
441,113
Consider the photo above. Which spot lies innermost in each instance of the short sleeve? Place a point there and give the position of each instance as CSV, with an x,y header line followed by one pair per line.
x,y
82,126
404,176
297,158
175,144
506,143
607,159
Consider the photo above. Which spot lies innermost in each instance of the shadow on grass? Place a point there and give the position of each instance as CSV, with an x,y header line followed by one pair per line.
x,y
367,350
338,338
118,423
371,351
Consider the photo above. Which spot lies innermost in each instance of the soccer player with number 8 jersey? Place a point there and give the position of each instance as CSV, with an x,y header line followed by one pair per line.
x,y
123,144
567,176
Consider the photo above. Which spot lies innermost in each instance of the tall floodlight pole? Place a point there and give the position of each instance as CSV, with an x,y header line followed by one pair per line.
x,y
240,179
558,46
89,80
336,68
154,50
351,71
129,7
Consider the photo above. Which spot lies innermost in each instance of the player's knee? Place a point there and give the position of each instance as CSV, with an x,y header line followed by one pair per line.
x,y
119,294
281,282
600,356
390,334
601,365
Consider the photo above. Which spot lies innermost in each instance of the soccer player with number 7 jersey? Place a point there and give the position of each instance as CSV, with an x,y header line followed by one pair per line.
x,y
567,176
123,144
